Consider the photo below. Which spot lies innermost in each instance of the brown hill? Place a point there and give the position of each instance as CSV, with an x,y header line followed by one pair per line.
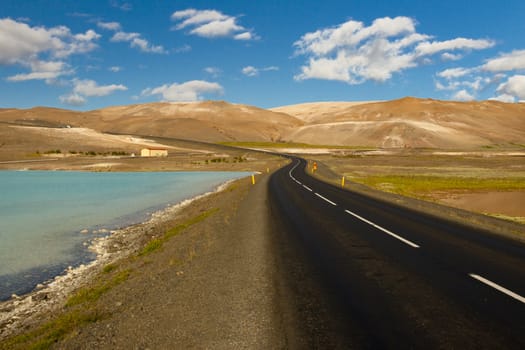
x,y
411,122
407,122
212,121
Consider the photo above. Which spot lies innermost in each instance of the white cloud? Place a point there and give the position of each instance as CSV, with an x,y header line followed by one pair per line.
x,y
454,72
115,26
42,70
447,56
20,43
252,71
504,98
430,48
211,24
187,91
463,95
506,62
91,88
352,52
115,69
244,36
137,41
124,6
213,71
514,86
72,99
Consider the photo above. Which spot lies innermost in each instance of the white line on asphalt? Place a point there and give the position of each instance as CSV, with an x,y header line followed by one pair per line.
x,y
308,188
406,241
326,199
498,287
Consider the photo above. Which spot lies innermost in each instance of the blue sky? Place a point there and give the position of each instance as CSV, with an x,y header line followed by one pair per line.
x,y
91,54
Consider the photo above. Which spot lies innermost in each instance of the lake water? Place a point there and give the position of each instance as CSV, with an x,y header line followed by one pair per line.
x,y
42,214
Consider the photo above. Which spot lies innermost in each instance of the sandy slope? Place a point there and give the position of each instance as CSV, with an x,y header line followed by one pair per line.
x,y
404,123
315,112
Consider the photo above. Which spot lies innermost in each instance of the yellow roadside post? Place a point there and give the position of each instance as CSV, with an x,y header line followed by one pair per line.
x,y
267,170
253,179
343,181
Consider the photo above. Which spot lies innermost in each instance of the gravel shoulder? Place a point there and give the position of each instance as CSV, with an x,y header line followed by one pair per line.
x,y
211,286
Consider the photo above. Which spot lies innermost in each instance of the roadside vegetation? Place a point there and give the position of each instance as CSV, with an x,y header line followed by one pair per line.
x,y
421,186
81,308
82,153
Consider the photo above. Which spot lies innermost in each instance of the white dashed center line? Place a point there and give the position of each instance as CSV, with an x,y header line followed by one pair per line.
x,y
498,287
406,241
325,199
308,188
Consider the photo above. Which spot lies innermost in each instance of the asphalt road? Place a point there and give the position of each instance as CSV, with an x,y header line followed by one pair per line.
x,y
359,273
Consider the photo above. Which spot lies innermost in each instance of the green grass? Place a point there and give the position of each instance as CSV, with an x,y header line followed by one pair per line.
x,y
51,332
418,186
156,244
92,294
81,307
286,145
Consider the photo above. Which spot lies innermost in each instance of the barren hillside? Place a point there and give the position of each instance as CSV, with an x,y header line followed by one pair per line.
x,y
411,122
407,122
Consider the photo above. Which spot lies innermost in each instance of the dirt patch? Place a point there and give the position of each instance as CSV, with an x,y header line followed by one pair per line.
x,y
503,203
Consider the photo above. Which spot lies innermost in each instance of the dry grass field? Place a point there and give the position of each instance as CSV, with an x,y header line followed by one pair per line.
x,y
488,182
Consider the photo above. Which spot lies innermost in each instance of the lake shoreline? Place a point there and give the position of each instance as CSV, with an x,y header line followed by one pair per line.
x,y
21,311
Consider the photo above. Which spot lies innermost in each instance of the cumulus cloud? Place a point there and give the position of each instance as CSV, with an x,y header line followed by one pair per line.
x,y
454,72
21,43
354,53
430,48
211,24
88,88
514,86
109,25
137,41
91,88
188,91
42,70
72,99
447,56
252,71
115,69
492,74
514,60
463,95
504,98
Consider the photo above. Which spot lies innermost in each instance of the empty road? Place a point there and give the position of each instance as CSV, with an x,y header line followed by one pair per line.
x,y
360,273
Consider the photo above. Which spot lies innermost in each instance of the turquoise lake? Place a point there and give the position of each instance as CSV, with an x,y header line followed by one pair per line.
x,y
42,214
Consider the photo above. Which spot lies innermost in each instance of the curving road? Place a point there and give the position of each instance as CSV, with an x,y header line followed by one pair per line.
x,y
360,273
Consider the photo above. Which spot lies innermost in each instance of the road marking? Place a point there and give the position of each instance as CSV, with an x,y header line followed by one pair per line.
x,y
326,199
290,172
308,188
406,241
498,287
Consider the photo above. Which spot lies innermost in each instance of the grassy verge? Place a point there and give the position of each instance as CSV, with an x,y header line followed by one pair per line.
x,y
157,243
422,186
81,308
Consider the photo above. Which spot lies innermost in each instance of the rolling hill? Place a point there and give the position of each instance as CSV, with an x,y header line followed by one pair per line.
x,y
404,123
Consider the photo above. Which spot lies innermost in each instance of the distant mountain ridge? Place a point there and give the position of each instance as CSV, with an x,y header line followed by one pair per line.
x,y
407,122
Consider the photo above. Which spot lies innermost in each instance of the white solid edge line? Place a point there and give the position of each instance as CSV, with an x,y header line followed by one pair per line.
x,y
498,287
406,241
308,188
326,199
